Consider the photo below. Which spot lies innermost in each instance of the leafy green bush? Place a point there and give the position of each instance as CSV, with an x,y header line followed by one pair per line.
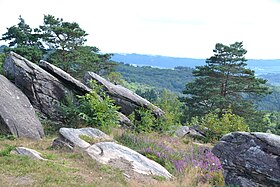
x,y
173,109
7,150
216,126
2,58
94,109
270,123
143,120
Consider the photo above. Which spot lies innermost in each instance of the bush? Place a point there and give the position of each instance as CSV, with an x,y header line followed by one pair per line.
x,y
2,58
94,109
144,121
7,150
218,126
173,109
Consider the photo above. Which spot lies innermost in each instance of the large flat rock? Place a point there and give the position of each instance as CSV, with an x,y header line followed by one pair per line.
x,y
104,150
71,138
17,115
125,158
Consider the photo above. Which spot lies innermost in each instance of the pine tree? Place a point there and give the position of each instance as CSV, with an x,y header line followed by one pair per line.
x,y
59,42
224,83
25,41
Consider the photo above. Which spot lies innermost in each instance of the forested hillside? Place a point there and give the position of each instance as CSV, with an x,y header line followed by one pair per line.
x,y
260,66
267,69
172,79
157,61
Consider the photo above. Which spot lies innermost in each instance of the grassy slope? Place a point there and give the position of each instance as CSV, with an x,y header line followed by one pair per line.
x,y
70,169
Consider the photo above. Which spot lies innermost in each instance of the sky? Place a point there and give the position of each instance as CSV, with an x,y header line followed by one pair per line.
x,y
177,28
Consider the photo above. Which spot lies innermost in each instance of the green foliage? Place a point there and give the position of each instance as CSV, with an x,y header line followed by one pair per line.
x,y
2,58
143,120
116,78
62,35
94,109
270,102
88,139
159,178
66,41
25,41
215,126
98,113
271,123
91,140
172,107
32,53
149,94
223,83
51,128
59,42
7,150
171,79
7,137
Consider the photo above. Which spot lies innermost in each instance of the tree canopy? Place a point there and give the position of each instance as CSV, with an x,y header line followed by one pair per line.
x,y
59,42
224,83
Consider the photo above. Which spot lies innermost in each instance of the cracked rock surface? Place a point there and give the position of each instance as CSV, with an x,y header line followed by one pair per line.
x,y
126,159
17,116
103,149
28,152
67,79
44,91
71,138
250,159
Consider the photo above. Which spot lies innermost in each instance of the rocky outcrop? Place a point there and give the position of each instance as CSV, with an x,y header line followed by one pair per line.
x,y
44,91
75,86
17,116
72,138
184,131
125,98
72,83
45,87
250,159
28,152
126,159
103,149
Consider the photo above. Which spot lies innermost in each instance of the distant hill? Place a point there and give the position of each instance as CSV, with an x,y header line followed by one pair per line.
x,y
268,69
260,66
157,61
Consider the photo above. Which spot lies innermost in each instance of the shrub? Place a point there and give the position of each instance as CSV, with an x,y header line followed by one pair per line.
x,y
143,120
2,58
218,126
173,109
94,109
7,150
176,156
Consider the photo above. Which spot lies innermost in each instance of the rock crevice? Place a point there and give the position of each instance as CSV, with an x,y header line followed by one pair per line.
x,y
250,159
